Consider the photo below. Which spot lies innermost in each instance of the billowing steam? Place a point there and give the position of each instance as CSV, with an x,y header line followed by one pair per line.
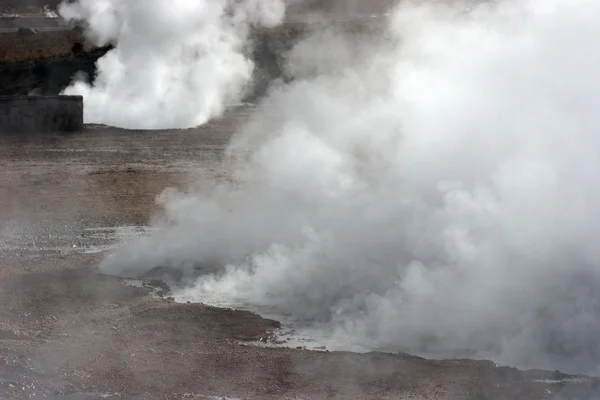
x,y
432,190
177,63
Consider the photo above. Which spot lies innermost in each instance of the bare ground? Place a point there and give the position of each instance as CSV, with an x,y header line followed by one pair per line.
x,y
68,332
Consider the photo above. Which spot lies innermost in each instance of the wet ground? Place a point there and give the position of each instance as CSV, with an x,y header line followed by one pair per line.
x,y
67,332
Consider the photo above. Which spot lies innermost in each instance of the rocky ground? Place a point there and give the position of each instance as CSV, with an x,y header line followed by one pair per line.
x,y
67,332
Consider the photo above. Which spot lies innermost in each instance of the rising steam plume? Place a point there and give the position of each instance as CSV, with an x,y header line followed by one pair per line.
x,y
177,63
433,189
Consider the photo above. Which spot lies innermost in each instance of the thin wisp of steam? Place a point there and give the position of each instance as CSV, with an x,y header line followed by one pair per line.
x,y
176,64
432,190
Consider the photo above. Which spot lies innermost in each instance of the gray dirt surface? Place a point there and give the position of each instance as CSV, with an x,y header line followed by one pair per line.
x,y
67,332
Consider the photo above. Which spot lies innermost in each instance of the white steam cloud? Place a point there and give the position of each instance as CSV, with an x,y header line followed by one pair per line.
x,y
177,63
432,190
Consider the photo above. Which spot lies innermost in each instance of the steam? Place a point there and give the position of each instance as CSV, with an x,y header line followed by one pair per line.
x,y
49,13
433,189
177,63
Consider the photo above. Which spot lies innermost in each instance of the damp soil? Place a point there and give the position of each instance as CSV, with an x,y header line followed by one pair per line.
x,y
67,332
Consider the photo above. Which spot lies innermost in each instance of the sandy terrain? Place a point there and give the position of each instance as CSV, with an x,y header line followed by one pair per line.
x,y
68,332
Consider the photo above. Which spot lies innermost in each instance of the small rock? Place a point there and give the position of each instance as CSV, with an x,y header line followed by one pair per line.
x,y
77,49
23,32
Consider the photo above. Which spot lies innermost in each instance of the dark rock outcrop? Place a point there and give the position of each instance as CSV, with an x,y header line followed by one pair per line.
x,y
35,114
47,76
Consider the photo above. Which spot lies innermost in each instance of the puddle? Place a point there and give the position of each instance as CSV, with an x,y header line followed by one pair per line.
x,y
578,380
68,240
157,288
294,333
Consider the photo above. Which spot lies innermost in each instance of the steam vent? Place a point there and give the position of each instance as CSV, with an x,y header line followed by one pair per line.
x,y
38,114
